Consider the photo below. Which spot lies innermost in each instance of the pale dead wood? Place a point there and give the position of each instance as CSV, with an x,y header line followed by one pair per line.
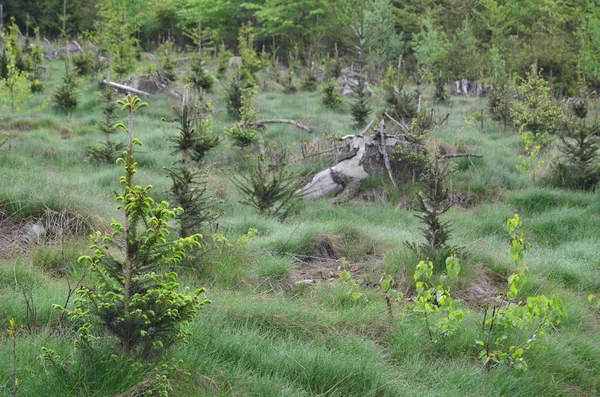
x,y
457,155
262,123
125,88
383,151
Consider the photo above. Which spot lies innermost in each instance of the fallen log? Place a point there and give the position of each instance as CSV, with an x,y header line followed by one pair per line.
x,y
262,123
125,88
457,155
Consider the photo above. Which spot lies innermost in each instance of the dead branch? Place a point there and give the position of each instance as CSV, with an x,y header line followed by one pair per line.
x,y
360,134
456,155
402,125
261,123
125,88
322,152
383,151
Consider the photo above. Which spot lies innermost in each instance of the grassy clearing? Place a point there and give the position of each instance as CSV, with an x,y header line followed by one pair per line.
x,y
266,336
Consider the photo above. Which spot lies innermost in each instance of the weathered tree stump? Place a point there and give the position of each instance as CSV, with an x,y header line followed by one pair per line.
x,y
363,155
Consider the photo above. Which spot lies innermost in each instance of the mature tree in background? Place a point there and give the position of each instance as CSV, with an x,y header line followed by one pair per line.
x,y
116,30
224,17
292,22
44,15
431,48
385,44
409,15
589,35
464,58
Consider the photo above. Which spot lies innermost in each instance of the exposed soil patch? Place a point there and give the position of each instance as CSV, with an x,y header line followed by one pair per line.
x,y
484,290
464,199
18,235
19,126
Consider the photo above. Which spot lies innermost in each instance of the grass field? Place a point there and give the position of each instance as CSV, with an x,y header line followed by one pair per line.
x,y
263,335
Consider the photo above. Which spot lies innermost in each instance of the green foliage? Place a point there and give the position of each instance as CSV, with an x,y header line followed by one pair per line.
x,y
535,316
110,151
77,374
309,83
250,59
536,113
330,94
530,163
443,314
440,95
166,52
65,97
463,57
432,202
500,102
589,33
117,27
385,44
355,291
188,185
401,106
241,82
16,87
245,132
334,67
578,166
361,108
36,58
199,78
268,185
223,61
413,160
84,63
392,295
537,117
289,82
135,300
294,22
431,48
13,48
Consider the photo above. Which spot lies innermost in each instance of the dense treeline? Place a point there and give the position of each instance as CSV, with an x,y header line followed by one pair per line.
x,y
453,37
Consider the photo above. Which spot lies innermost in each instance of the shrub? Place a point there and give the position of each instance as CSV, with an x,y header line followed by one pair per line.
x,y
537,118
361,108
65,97
37,61
289,84
440,95
534,316
268,185
188,187
240,80
135,299
223,61
400,105
15,88
330,94
110,151
199,78
245,133
250,59
500,103
579,142
84,63
309,83
431,203
167,61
